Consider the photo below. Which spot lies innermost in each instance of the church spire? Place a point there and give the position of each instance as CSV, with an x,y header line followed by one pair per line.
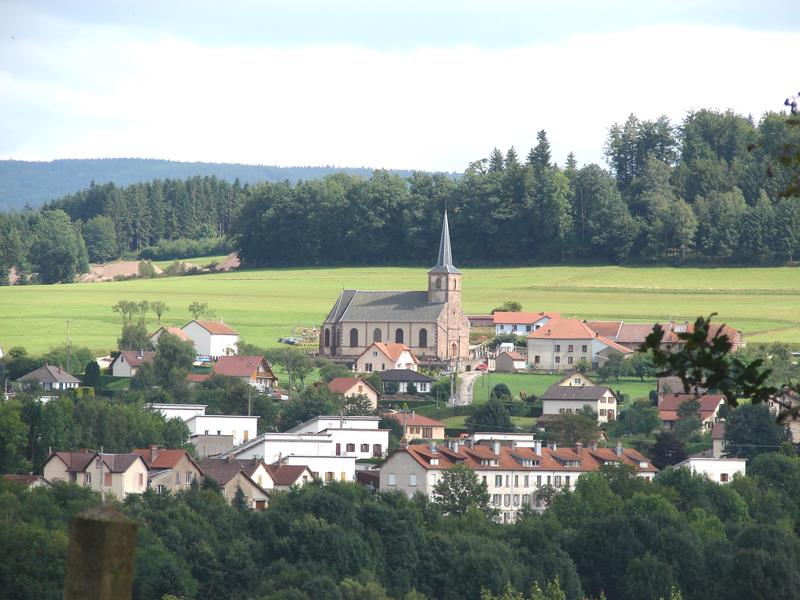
x,y
444,264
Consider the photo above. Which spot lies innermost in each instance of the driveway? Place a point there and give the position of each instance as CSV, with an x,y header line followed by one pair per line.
x,y
466,381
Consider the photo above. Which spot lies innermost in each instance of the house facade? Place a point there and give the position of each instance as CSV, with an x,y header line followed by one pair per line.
x,y
520,323
401,380
418,427
117,474
718,470
431,323
232,474
566,399
563,343
169,470
515,476
510,362
127,362
212,338
358,436
383,357
355,386
50,379
242,428
253,370
708,413
180,411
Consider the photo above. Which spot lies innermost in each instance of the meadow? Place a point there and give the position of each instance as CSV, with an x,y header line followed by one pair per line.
x,y
266,304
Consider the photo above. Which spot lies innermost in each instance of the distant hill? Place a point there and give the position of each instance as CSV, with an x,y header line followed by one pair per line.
x,y
33,183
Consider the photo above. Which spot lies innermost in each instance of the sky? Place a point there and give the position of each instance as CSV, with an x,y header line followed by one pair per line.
x,y
395,84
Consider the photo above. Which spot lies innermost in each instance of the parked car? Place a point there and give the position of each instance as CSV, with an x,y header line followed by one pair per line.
x,y
482,367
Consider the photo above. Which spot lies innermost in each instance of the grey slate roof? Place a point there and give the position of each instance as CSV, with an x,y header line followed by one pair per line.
x,y
49,374
444,264
404,375
574,392
385,306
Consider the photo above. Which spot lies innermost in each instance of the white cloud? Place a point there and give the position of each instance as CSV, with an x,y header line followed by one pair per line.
x,y
100,92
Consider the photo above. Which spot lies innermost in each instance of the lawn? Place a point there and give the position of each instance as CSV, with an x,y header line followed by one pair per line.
x,y
266,304
525,423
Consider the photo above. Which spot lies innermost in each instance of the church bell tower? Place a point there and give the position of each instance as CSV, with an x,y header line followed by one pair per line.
x,y
444,280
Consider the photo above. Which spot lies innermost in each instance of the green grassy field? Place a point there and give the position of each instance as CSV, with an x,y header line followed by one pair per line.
x,y
264,305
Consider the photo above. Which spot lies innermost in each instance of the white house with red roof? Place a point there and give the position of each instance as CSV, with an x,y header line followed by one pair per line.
x,y
562,343
521,323
718,470
212,338
253,370
708,412
176,331
117,474
514,474
383,357
127,362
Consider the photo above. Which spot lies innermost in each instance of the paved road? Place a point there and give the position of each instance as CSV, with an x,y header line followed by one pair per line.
x,y
466,381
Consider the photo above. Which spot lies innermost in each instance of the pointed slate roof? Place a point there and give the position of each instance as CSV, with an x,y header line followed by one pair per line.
x,y
444,263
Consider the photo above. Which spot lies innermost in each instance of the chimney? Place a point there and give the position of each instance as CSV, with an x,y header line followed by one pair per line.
x,y
496,447
594,446
578,447
537,447
153,452
618,449
554,446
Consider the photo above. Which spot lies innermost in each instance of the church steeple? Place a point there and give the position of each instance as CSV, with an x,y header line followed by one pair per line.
x,y
444,263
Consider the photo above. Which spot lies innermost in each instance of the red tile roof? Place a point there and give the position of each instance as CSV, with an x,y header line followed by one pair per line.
x,y
135,358
286,475
26,480
414,420
216,327
563,329
393,351
606,328
198,377
521,318
669,403
241,366
165,459
343,385
511,355
176,331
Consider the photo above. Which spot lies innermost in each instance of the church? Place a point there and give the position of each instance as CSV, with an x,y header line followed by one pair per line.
x,y
432,323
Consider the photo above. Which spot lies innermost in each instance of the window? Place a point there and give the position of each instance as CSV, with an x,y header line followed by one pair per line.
x,y
87,479
558,359
536,359
107,479
498,481
342,476
438,283
412,480
427,432
365,447
328,475
189,477
507,499
562,410
508,480
566,477
557,482
354,337
177,477
557,348
96,463
513,328
526,499
516,480
376,450
161,489
327,338
392,479
516,499
570,348
496,499
398,336
484,479
548,480
527,327
383,366
578,380
360,388
351,447
423,338
723,477
569,360
602,412
141,480
206,431
246,435
538,481
377,335
584,348
526,481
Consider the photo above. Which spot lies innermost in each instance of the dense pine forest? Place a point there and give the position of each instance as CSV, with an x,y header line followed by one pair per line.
x,y
707,191
615,536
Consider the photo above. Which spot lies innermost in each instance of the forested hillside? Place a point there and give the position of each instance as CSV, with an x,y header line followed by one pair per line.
x,y
709,191
32,183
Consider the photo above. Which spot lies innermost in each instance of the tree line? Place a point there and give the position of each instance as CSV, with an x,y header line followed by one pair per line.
x,y
708,190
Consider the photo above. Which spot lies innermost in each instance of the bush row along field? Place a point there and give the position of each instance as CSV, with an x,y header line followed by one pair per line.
x,y
264,305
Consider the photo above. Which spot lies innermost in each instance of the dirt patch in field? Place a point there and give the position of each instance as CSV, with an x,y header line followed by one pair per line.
x,y
110,271
228,263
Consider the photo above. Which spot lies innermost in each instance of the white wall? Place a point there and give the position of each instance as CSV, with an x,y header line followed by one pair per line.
x,y
357,437
240,427
181,411
545,350
715,468
208,344
272,446
122,367
320,465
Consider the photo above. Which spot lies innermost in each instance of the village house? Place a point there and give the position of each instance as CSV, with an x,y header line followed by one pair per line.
x,y
563,343
418,427
117,474
253,370
509,362
170,470
718,470
358,436
399,381
180,411
211,445
241,427
212,338
514,474
355,386
632,335
176,331
382,357
231,474
431,323
787,400
566,398
127,362
520,323
668,405
50,379
285,477
718,441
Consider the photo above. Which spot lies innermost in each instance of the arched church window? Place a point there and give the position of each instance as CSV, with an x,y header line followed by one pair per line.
x,y
327,338
398,336
354,337
376,335
423,338
453,350
438,283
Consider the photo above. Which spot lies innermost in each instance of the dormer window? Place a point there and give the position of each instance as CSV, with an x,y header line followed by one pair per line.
x,y
434,462
642,464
